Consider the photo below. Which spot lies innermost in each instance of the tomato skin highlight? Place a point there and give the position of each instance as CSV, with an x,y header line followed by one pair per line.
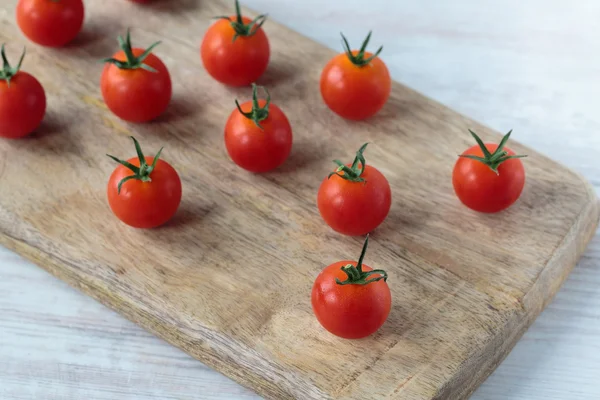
x,y
482,190
136,95
355,92
50,23
22,105
234,63
145,204
349,311
254,149
355,208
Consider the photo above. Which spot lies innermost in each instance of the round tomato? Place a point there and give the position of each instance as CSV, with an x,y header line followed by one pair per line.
x,y
22,101
356,84
488,177
135,84
51,23
144,192
235,50
351,300
258,135
356,198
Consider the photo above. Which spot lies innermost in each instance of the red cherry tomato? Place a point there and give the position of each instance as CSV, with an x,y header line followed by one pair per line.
x,y
135,84
356,84
258,135
144,192
22,101
489,180
235,50
355,199
50,23
350,299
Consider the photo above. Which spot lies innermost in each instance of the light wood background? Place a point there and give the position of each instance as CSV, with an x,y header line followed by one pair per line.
x,y
527,73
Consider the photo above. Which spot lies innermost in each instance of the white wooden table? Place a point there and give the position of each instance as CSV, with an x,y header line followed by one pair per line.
x,y
533,66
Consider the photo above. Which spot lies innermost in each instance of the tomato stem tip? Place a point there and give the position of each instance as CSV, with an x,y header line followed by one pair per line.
x,y
356,275
257,114
492,160
240,28
359,59
355,171
7,72
142,172
132,61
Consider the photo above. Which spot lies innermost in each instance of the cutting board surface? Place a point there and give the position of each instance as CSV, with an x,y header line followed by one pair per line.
x,y
229,279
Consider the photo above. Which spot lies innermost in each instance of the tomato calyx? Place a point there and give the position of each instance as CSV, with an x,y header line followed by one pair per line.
x,y
132,61
258,113
7,72
359,59
356,276
492,160
352,173
142,172
238,25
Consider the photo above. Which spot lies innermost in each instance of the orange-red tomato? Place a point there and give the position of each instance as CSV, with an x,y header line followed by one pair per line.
x,y
22,101
489,181
351,300
50,23
136,84
235,50
356,84
144,192
258,135
356,198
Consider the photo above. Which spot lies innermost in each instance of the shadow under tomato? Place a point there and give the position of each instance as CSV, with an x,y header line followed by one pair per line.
x,y
171,6
86,37
49,126
178,109
188,215
394,110
276,73
304,155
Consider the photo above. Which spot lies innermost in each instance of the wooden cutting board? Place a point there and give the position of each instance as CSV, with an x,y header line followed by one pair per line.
x,y
228,280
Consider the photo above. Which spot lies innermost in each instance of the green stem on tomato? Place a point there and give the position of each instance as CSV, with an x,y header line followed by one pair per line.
x,y
132,61
7,72
492,160
356,275
355,171
257,114
242,29
359,59
142,172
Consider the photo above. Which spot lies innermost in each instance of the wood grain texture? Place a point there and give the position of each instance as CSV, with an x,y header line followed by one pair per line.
x,y
436,251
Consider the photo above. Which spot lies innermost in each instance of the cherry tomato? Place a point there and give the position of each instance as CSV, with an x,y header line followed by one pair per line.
x,y
356,84
135,84
51,23
258,135
354,199
488,177
144,192
351,300
235,50
22,101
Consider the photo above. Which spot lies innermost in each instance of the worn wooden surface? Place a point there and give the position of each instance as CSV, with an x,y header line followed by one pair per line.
x,y
460,300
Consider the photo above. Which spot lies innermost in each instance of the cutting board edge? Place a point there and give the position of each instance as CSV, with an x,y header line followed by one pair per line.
x,y
534,301
572,247
260,384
